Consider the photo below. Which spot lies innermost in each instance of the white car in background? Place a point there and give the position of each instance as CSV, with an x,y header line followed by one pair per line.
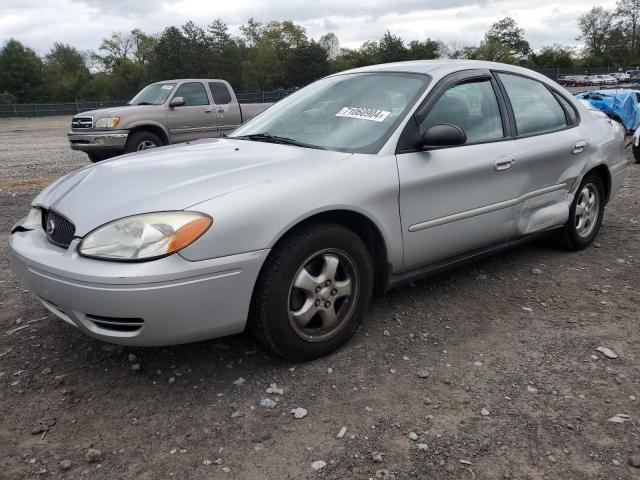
x,y
602,80
621,77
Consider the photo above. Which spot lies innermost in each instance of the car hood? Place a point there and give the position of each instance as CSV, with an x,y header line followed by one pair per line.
x,y
118,111
174,178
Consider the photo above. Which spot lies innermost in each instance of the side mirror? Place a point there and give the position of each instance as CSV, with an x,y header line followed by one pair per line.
x,y
443,135
176,102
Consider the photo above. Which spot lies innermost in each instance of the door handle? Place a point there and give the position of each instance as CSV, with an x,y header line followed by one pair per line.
x,y
504,164
220,110
207,111
579,147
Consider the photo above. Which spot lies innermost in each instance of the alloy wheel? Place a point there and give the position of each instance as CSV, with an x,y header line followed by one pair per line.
x,y
146,145
587,210
323,295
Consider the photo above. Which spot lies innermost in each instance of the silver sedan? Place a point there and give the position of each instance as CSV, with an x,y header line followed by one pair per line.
x,y
355,184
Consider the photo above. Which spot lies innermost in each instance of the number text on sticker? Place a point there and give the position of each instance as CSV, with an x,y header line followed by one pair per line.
x,y
363,113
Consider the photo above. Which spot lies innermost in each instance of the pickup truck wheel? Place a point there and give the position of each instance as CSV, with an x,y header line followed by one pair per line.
x,y
312,292
97,157
585,215
636,153
142,140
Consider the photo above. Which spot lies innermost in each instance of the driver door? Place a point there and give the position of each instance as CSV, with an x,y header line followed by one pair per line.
x,y
458,199
195,119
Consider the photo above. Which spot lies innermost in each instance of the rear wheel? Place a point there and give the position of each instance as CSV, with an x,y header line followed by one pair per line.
x,y
585,215
312,292
142,140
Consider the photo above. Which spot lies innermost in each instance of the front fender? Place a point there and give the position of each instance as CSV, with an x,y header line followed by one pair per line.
x,y
255,216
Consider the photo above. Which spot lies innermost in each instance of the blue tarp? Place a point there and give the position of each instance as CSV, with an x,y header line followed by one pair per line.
x,y
621,103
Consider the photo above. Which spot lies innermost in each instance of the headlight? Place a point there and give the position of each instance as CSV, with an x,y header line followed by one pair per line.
x,y
107,122
146,236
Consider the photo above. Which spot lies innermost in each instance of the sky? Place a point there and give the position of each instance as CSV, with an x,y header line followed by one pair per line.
x,y
84,23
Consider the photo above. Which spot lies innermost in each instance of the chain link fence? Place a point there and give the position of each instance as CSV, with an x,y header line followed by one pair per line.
x,y
555,73
73,108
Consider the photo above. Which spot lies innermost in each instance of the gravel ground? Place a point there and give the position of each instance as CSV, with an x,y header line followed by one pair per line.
x,y
487,372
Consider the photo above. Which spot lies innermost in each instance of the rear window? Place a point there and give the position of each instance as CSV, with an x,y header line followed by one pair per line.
x,y
536,109
220,92
569,108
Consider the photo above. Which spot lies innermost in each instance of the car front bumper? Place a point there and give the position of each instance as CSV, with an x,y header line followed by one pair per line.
x,y
96,141
161,302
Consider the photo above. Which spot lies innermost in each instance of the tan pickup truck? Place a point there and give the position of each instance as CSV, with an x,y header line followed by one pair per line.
x,y
171,111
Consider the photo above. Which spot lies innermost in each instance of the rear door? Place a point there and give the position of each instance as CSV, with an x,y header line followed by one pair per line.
x,y
226,107
549,147
195,119
458,199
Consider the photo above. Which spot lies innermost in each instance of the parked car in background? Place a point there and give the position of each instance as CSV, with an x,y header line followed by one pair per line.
x,y
620,104
171,111
621,77
357,183
602,80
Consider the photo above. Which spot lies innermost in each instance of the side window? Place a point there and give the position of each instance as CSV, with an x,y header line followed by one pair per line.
x,y
534,106
471,106
193,94
220,92
570,109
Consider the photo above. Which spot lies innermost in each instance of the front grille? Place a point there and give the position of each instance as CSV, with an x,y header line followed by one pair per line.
x,y
116,324
82,122
58,229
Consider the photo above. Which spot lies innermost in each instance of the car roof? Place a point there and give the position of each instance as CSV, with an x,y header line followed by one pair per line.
x,y
176,80
443,67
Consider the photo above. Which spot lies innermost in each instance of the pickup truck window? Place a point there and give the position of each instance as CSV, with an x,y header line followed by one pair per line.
x,y
354,112
220,92
193,94
155,94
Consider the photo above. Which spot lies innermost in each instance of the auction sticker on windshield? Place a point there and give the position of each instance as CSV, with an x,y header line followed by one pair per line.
x,y
363,113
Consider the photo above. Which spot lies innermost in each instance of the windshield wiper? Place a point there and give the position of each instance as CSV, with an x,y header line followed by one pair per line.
x,y
143,103
267,137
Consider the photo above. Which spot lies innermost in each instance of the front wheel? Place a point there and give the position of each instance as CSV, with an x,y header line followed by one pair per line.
x,y
636,153
585,215
312,292
142,140
96,157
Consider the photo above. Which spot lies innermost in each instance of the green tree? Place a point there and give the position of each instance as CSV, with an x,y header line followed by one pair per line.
x,y
504,42
391,48
169,57
65,71
556,56
308,63
270,50
629,13
595,26
427,50
226,53
21,72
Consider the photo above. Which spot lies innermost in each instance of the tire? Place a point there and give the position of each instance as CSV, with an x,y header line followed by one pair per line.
x,y
280,310
142,140
636,153
578,233
96,157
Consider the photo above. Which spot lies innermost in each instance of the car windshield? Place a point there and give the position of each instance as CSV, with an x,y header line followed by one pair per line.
x,y
155,94
354,112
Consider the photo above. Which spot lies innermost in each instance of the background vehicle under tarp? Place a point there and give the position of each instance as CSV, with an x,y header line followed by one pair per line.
x,y
622,103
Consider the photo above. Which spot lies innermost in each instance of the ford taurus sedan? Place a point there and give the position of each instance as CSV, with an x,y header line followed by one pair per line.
x,y
355,184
